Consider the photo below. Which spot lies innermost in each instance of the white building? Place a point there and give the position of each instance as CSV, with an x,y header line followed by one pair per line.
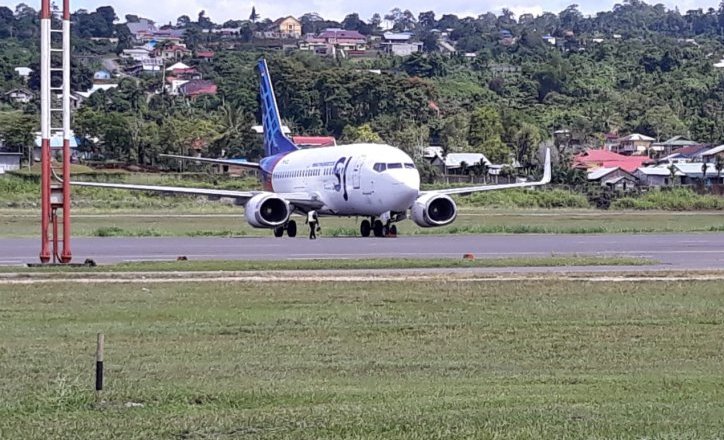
x,y
10,162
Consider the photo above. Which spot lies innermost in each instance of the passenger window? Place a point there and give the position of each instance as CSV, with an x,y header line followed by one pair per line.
x,y
394,165
379,167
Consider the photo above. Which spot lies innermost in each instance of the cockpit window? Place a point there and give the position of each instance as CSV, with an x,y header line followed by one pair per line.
x,y
380,167
410,165
394,165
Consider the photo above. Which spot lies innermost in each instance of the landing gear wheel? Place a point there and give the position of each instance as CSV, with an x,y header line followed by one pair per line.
x,y
279,231
292,229
378,229
393,231
385,231
365,228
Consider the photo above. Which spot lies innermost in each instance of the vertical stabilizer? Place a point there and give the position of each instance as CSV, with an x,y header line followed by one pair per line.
x,y
275,141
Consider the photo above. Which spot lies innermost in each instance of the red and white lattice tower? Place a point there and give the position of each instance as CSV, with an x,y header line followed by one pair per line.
x,y
54,77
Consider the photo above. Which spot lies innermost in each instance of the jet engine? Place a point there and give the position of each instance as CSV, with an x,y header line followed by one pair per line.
x,y
434,210
267,211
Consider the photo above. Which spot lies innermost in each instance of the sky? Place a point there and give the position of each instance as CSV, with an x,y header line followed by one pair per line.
x,y
164,11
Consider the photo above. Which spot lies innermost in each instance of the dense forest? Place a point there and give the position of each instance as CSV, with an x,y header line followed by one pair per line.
x,y
637,68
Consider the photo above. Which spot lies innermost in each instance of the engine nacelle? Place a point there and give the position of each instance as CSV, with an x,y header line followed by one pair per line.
x,y
267,211
434,210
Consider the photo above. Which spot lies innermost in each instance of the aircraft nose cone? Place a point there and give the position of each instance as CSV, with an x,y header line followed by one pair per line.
x,y
406,189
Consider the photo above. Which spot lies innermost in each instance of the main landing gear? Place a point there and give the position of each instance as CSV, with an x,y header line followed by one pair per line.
x,y
290,227
378,228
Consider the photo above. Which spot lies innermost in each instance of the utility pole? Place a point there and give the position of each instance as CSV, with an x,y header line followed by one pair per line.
x,y
54,195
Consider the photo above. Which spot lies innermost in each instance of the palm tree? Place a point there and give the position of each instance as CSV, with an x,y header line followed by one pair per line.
x,y
704,167
719,165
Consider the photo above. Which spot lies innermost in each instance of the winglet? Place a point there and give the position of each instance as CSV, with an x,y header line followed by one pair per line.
x,y
547,168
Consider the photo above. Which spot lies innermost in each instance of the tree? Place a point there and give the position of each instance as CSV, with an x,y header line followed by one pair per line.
x,y
204,21
16,131
426,19
719,166
525,141
183,21
362,134
253,17
454,134
485,134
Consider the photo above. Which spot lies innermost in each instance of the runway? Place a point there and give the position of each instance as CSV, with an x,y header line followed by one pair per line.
x,y
673,251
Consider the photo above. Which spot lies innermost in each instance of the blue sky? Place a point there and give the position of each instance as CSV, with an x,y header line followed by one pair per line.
x,y
163,11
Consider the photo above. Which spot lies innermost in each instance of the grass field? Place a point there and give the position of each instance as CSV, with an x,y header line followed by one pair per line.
x,y
216,266
308,360
228,221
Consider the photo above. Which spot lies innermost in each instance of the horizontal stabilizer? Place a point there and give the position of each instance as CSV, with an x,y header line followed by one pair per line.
x,y
230,162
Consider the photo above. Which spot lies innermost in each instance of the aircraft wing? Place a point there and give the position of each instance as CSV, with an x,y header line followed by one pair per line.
x,y
471,189
231,162
302,200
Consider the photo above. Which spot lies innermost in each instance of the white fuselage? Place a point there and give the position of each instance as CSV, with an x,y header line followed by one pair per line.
x,y
357,179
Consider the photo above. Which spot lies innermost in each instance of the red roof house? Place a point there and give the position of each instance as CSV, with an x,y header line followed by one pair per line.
x,y
197,87
601,158
314,141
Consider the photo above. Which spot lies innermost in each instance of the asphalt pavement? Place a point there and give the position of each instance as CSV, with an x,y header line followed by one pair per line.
x,y
675,251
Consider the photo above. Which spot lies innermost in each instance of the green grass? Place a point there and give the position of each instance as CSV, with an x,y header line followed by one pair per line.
x,y
393,360
227,221
671,199
341,264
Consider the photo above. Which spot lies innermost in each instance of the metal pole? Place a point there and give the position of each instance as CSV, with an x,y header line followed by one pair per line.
x,y
44,129
66,254
99,363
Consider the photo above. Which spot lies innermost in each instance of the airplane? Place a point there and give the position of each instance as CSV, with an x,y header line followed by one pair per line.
x,y
375,181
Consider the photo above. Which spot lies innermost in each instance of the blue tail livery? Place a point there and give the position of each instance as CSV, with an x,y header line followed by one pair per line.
x,y
275,141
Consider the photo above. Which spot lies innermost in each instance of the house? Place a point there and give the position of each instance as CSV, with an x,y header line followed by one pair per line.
x,y
659,175
205,55
24,72
314,141
614,177
259,129
183,71
671,145
137,53
711,155
172,52
548,38
697,172
56,146
432,152
94,88
691,153
634,145
453,162
197,87
102,75
285,27
20,95
343,39
173,36
592,159
399,44
10,161
142,30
